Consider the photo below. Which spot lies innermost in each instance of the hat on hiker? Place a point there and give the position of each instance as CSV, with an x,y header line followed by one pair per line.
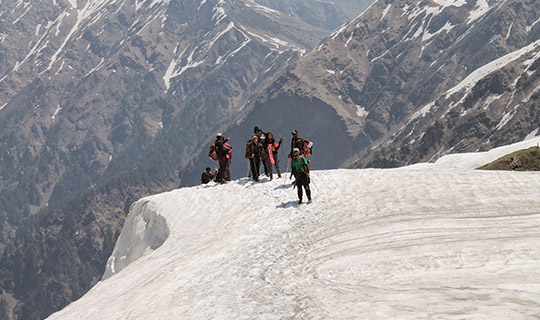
x,y
294,132
219,135
296,150
255,137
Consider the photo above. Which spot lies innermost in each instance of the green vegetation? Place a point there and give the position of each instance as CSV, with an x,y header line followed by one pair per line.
x,y
523,160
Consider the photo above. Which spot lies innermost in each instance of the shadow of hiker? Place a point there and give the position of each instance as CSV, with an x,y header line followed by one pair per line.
x,y
290,204
283,186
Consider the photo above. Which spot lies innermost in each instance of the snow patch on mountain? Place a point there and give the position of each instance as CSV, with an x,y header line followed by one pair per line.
x,y
529,28
533,134
482,7
450,3
385,11
27,6
507,117
261,8
200,6
73,3
468,83
361,111
83,15
53,117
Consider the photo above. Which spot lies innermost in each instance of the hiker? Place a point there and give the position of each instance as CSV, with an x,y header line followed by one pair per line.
x,y
257,132
300,169
271,148
223,150
207,176
253,154
296,142
304,145
264,157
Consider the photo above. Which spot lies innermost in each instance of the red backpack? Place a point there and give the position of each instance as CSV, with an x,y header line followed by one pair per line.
x,y
212,154
308,147
228,147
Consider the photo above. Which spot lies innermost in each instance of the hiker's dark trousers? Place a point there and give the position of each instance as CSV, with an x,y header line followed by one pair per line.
x,y
224,173
302,180
255,165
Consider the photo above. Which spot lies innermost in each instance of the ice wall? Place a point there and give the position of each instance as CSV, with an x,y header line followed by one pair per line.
x,y
144,231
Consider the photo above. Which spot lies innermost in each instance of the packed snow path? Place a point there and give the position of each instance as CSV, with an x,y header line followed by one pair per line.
x,y
429,241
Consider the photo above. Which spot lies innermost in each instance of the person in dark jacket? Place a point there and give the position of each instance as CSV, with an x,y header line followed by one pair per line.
x,y
300,169
264,156
296,142
207,176
271,147
253,153
223,150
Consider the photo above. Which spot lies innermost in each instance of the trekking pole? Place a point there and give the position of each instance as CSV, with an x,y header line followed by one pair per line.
x,y
285,173
311,179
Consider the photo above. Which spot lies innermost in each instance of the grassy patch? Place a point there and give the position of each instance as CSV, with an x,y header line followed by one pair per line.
x,y
523,160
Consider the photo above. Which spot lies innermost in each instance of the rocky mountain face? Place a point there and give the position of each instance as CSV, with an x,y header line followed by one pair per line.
x,y
104,101
410,81
325,14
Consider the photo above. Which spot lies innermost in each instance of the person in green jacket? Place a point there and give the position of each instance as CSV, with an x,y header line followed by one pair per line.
x,y
300,170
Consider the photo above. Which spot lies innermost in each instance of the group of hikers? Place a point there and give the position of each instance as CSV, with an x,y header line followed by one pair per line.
x,y
263,148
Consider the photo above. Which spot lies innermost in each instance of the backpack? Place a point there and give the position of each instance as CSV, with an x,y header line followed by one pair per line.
x,y
228,147
248,150
308,147
212,154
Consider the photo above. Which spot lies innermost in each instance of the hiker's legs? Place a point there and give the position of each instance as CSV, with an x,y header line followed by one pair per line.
x,y
254,169
228,170
265,164
299,189
269,164
308,190
222,176
277,166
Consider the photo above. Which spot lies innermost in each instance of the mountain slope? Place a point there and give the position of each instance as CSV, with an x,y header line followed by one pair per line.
x,y
324,14
464,242
393,84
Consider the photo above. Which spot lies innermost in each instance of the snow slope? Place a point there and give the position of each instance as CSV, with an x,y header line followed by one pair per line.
x,y
428,241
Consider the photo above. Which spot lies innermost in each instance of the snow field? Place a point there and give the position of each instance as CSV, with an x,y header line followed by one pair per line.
x,y
428,241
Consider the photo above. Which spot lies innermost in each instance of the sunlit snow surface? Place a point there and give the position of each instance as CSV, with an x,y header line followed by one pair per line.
x,y
428,241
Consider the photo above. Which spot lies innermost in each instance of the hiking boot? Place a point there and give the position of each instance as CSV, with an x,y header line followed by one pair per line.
x,y
300,201
309,201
